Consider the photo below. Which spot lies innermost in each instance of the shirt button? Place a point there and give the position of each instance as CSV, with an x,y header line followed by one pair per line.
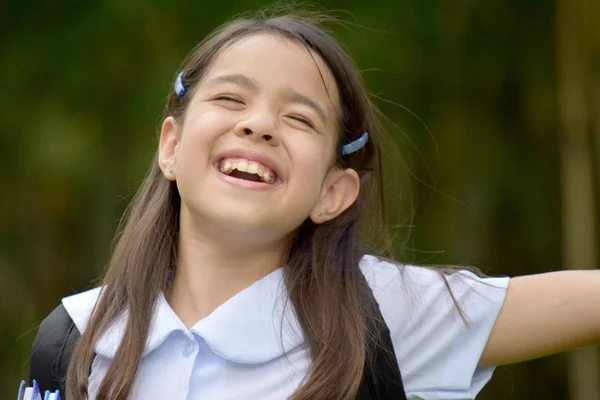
x,y
188,349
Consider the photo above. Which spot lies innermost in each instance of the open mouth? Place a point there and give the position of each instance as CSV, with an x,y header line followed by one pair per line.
x,y
247,170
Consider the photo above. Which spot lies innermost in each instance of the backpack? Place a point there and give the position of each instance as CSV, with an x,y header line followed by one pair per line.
x,y
57,336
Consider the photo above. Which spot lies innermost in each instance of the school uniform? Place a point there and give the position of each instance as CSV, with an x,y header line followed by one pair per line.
x,y
252,347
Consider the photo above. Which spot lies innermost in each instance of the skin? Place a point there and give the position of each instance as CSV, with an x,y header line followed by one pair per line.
x,y
545,314
231,236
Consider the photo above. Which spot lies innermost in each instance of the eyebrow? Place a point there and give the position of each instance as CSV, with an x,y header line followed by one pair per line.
x,y
237,79
293,96
290,94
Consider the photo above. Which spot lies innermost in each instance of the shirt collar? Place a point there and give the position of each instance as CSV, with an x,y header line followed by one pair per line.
x,y
255,326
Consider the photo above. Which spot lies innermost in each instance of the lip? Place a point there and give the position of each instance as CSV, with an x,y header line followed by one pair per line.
x,y
250,155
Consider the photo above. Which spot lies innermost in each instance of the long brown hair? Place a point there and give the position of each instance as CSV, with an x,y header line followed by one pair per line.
x,y
325,285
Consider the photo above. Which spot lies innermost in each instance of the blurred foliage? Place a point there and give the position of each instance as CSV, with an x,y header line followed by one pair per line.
x,y
83,84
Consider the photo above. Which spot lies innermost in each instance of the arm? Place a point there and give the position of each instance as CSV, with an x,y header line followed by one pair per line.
x,y
545,314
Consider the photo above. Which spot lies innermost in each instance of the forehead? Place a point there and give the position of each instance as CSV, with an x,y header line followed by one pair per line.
x,y
277,62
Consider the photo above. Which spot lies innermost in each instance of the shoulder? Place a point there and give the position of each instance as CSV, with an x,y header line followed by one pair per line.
x,y
51,349
51,335
439,324
80,306
391,282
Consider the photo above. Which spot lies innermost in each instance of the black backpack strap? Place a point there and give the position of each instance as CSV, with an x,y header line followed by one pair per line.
x,y
51,350
383,380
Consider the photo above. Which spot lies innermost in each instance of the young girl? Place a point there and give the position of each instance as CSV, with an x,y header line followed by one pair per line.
x,y
240,271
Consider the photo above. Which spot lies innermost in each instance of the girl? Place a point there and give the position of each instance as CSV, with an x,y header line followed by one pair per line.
x,y
240,272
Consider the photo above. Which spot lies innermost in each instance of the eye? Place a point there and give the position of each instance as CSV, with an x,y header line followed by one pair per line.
x,y
229,99
303,121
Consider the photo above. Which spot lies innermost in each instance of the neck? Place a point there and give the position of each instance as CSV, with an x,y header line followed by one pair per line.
x,y
214,266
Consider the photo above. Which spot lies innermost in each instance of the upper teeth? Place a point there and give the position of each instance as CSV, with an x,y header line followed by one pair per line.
x,y
252,167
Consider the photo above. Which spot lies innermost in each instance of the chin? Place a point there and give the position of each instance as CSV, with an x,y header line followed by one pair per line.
x,y
235,220
226,216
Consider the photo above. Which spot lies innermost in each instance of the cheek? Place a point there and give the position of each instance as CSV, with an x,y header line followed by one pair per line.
x,y
193,150
207,124
199,134
311,163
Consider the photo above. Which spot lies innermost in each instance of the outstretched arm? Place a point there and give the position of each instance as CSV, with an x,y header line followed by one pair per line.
x,y
545,314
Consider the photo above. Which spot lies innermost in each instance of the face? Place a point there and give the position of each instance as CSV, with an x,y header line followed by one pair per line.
x,y
254,152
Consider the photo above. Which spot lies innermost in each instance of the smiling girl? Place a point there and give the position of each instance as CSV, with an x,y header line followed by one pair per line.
x,y
240,274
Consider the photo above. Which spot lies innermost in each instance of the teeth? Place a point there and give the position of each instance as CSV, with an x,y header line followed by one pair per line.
x,y
252,168
242,166
228,165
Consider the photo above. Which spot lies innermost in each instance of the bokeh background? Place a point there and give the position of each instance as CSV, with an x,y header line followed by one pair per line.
x,y
494,106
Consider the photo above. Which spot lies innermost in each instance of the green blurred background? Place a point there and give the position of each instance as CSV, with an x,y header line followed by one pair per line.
x,y
502,172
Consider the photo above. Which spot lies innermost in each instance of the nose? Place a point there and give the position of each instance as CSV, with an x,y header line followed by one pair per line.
x,y
258,128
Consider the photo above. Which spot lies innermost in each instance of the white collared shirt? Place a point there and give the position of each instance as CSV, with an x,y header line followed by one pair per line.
x,y
252,347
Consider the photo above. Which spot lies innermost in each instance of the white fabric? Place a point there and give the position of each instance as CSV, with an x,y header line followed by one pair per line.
x,y
252,347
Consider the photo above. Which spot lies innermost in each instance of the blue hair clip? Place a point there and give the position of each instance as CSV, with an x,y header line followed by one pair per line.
x,y
179,86
355,145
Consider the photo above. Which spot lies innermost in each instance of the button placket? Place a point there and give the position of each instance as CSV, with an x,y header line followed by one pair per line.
x,y
188,349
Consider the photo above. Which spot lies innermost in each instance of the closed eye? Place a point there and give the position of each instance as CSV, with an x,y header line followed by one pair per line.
x,y
229,98
303,121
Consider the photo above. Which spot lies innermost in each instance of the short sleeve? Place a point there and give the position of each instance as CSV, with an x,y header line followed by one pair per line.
x,y
438,350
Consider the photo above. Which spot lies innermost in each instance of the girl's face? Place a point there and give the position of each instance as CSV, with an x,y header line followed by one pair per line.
x,y
254,153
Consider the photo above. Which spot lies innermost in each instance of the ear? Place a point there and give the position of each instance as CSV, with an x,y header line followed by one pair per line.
x,y
340,191
170,134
